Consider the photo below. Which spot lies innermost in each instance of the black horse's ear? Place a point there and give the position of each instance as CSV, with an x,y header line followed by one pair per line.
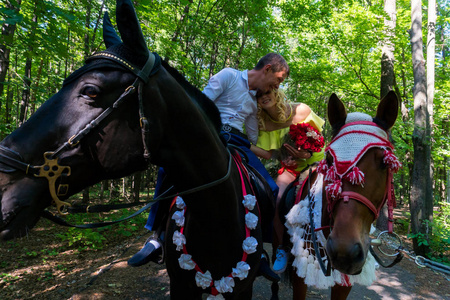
x,y
336,110
129,28
387,110
110,35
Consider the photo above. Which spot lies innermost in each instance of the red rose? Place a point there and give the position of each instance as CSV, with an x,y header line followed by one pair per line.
x,y
306,137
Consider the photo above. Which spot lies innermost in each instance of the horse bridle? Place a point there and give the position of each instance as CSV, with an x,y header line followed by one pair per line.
x,y
346,196
51,169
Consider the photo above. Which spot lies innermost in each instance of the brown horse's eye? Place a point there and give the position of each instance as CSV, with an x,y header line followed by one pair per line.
x,y
329,160
90,91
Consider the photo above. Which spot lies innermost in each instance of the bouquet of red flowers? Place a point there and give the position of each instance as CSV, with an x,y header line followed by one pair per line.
x,y
306,137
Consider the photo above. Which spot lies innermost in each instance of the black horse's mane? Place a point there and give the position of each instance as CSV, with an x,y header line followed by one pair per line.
x,y
208,106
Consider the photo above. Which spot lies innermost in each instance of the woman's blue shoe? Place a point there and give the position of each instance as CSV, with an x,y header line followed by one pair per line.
x,y
281,261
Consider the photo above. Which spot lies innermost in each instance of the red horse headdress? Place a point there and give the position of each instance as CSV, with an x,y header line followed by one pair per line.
x,y
358,135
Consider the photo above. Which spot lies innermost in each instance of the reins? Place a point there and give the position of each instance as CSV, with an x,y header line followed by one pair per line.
x,y
48,215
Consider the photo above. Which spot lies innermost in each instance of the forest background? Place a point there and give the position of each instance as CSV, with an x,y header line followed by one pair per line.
x,y
357,49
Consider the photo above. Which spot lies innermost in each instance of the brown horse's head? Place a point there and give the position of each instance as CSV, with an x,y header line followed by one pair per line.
x,y
357,178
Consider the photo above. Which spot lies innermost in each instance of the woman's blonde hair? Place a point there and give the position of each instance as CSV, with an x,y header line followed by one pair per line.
x,y
281,105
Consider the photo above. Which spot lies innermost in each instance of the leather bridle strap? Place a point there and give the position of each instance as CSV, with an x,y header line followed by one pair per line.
x,y
347,195
389,197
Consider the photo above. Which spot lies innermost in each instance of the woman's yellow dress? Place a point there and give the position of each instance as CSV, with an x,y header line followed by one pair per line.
x,y
273,140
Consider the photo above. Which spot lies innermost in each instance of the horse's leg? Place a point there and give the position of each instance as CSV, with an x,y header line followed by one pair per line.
x,y
299,287
339,292
274,287
180,290
244,295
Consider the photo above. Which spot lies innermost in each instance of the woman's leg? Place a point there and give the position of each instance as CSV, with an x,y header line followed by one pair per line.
x,y
281,254
283,180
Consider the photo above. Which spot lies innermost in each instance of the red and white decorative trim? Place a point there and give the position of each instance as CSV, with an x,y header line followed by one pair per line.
x,y
249,246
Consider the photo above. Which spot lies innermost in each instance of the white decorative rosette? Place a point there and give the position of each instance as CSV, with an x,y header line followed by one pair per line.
x,y
179,240
249,245
178,216
241,270
186,262
203,280
251,220
224,285
180,203
249,202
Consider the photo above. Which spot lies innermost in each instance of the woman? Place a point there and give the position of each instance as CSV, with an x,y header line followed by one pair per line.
x,y
275,116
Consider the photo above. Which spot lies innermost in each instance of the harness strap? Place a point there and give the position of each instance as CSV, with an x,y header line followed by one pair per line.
x,y
75,139
17,164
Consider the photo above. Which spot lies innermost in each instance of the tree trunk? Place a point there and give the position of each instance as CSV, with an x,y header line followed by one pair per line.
x,y
137,178
36,86
103,188
7,39
86,196
25,93
431,52
87,45
387,80
27,77
420,176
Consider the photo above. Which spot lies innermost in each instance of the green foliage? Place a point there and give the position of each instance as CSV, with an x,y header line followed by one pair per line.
x,y
82,238
8,277
439,240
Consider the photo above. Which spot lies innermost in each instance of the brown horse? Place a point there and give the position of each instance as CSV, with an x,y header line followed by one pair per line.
x,y
122,110
329,224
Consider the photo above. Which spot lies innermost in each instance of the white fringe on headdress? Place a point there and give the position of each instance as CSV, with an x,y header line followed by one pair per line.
x,y
306,264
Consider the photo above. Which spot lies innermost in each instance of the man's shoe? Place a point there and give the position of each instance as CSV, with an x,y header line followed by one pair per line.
x,y
148,253
266,271
281,261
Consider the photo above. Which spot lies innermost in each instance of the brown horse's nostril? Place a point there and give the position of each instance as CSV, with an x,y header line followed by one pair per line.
x,y
356,253
331,249
344,254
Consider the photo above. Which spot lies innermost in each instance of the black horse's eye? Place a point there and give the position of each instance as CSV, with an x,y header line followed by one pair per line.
x,y
91,92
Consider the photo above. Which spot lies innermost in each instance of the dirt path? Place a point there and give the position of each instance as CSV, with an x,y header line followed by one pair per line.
x,y
29,270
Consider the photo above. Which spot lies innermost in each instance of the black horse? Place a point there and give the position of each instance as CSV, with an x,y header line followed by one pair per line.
x,y
122,110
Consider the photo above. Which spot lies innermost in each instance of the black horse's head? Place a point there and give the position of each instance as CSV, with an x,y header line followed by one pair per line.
x,y
95,127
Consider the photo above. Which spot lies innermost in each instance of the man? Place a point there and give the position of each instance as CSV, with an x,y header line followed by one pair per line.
x,y
234,93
